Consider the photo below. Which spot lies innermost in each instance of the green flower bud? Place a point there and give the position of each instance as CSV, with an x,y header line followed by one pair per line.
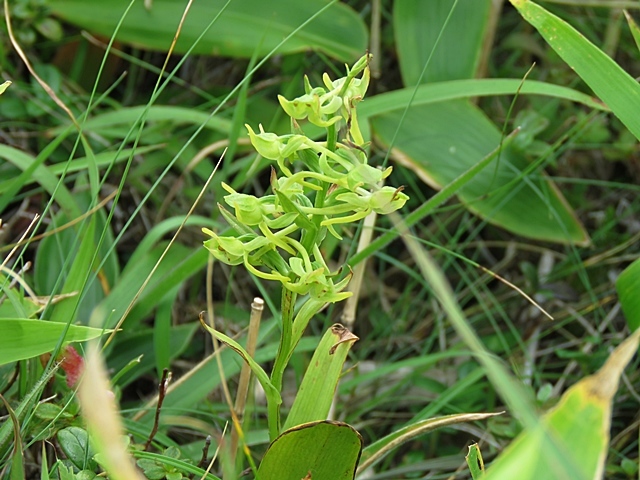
x,y
268,144
387,200
229,250
248,209
317,109
364,174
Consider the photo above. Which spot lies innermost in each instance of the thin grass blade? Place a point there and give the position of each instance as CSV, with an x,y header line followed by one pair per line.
x,y
619,90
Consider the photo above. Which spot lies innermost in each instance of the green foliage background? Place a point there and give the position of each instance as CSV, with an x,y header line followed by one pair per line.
x,y
102,215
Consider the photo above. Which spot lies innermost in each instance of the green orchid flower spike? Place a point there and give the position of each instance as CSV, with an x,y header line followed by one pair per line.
x,y
317,188
340,188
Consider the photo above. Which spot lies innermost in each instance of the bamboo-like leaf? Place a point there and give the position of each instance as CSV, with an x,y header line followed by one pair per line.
x,y
628,287
313,451
571,440
320,381
379,449
242,29
4,86
619,90
23,338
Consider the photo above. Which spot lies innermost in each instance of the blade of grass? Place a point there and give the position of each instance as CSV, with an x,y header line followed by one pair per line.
x,y
273,395
511,391
383,446
619,90
26,405
17,461
628,286
633,26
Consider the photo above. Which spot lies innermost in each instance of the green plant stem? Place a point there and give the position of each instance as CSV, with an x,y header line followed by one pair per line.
x,y
332,137
332,140
282,357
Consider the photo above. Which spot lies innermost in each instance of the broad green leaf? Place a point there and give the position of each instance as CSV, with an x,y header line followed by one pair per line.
x,y
571,440
441,141
25,338
619,90
628,287
242,28
74,442
320,381
380,448
313,451
417,25
4,86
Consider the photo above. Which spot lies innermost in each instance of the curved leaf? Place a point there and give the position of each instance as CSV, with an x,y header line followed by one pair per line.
x,y
243,28
313,451
25,338
571,441
457,89
385,445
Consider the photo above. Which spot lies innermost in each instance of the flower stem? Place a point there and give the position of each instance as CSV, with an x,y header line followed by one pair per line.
x,y
283,355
